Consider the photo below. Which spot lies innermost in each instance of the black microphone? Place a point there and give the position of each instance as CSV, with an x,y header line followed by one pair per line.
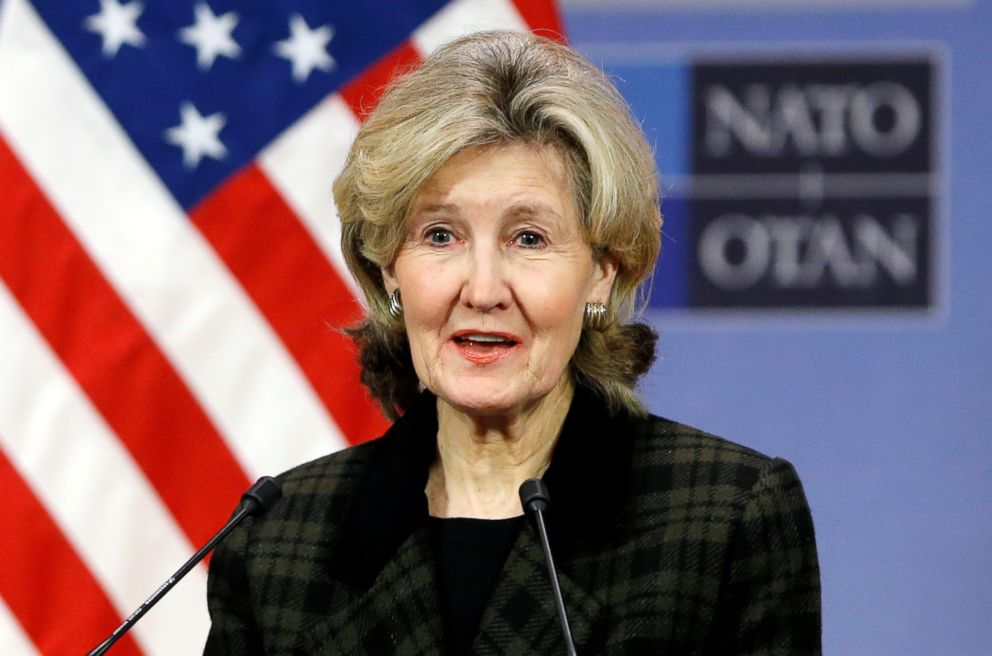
x,y
256,501
535,500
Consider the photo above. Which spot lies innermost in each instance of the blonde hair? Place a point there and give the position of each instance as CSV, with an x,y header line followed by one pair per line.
x,y
493,88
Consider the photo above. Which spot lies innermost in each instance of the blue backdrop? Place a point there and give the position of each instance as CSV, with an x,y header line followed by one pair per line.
x,y
885,413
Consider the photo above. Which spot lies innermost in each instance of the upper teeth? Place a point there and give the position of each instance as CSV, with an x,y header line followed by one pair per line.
x,y
484,338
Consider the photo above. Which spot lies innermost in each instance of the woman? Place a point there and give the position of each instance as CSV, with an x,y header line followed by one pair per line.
x,y
500,212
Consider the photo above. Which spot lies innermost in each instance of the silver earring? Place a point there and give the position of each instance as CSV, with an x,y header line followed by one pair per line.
x,y
595,316
395,304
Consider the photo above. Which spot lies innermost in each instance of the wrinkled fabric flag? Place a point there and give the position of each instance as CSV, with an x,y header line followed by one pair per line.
x,y
171,282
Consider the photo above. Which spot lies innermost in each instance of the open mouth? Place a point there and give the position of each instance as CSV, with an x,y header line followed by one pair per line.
x,y
484,340
484,348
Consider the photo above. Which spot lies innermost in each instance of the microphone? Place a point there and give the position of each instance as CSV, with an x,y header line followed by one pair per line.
x,y
535,500
256,501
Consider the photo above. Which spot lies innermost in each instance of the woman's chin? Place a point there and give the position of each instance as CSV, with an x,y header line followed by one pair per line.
x,y
484,400
492,398
482,406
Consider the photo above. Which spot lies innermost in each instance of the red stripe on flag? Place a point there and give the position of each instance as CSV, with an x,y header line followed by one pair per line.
x,y
542,17
113,359
38,566
363,92
263,243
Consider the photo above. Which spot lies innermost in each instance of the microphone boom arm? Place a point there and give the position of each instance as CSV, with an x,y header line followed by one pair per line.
x,y
535,500
258,499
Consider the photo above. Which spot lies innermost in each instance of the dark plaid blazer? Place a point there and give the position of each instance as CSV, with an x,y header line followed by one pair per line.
x,y
668,541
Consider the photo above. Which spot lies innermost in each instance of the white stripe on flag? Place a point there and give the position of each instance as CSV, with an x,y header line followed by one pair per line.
x,y
464,16
92,488
302,164
145,244
13,640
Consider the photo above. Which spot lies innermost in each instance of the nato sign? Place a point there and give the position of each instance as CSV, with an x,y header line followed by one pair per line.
x,y
812,183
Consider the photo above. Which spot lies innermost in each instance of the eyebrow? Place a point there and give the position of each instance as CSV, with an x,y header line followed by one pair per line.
x,y
434,208
518,209
528,209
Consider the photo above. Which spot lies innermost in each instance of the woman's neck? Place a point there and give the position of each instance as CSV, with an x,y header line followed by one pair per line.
x,y
482,461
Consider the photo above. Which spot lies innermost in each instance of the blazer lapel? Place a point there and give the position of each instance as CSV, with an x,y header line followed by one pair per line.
x,y
399,614
587,480
521,617
385,554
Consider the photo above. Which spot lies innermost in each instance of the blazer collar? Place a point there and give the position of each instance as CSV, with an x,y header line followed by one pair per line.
x,y
586,480
390,504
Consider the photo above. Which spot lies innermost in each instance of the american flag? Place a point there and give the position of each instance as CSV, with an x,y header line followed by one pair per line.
x,y
171,283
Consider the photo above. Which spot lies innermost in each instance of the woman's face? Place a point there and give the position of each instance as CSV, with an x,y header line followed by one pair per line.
x,y
494,276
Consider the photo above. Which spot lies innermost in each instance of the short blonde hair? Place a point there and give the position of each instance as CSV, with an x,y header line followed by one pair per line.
x,y
487,89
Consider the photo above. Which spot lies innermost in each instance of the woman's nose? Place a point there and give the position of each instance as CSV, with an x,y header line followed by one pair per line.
x,y
486,285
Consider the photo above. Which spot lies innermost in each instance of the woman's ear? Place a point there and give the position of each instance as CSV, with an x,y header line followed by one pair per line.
x,y
389,279
606,267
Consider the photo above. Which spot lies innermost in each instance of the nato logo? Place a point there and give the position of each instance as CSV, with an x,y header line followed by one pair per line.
x,y
813,184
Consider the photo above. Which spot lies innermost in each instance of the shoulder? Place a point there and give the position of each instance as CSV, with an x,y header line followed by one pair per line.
x,y
654,432
715,537
288,547
683,461
331,474
268,579
747,512
319,491
696,494
684,443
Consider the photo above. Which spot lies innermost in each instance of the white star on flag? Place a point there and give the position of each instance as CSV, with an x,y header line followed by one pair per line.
x,y
211,35
197,135
117,24
306,48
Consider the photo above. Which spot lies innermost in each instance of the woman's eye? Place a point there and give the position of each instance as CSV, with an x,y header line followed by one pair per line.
x,y
439,236
530,239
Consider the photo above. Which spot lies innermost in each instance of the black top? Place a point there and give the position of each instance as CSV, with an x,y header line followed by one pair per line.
x,y
470,555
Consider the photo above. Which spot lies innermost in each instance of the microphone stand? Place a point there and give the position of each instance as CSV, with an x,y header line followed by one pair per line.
x,y
535,500
258,499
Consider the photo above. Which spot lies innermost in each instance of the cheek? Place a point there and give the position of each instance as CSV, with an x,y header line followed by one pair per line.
x,y
425,292
426,304
558,322
424,319
561,316
423,342
557,301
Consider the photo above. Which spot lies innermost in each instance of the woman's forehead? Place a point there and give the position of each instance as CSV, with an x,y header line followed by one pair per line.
x,y
523,179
